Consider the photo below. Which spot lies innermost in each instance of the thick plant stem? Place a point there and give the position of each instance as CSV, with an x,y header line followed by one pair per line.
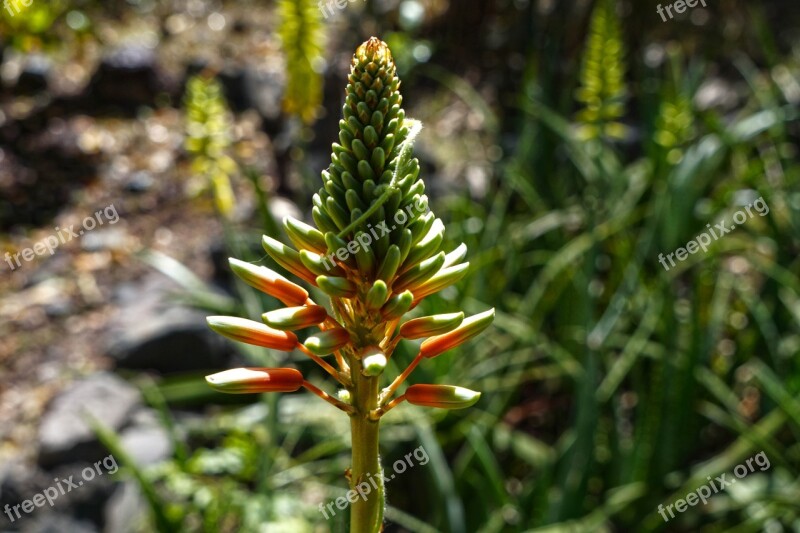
x,y
366,514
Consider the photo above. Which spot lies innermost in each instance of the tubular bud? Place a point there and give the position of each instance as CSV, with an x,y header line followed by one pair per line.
x,y
295,317
270,282
252,380
305,236
441,396
419,273
335,244
390,263
431,325
444,278
328,341
458,254
377,295
469,328
252,332
287,258
427,246
397,305
336,287
319,264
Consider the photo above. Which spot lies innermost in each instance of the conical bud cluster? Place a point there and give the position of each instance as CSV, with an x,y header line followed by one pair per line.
x,y
376,251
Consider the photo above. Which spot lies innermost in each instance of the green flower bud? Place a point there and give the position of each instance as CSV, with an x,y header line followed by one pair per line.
x,y
328,341
291,318
428,326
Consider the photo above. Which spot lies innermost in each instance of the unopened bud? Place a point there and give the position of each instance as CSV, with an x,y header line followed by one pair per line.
x,y
428,326
270,282
328,341
251,332
468,329
442,396
253,380
373,361
295,317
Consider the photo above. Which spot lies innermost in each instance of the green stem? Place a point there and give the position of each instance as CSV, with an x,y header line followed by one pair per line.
x,y
366,515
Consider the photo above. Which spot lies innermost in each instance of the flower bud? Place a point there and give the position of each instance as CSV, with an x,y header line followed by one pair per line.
x,y
336,287
304,236
419,273
373,361
270,282
377,295
345,396
458,254
250,380
444,278
287,258
320,265
442,396
295,317
328,341
397,305
251,332
469,328
428,245
427,326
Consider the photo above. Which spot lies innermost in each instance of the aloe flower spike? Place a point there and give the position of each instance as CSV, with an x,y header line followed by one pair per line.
x,y
376,252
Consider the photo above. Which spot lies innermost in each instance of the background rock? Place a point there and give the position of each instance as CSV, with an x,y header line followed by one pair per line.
x,y
65,434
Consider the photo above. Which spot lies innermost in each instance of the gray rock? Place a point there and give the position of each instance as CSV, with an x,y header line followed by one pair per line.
x,y
146,440
112,238
56,523
151,331
128,77
65,435
126,510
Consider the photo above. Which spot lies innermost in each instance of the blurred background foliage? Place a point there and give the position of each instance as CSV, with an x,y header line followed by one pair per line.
x,y
568,144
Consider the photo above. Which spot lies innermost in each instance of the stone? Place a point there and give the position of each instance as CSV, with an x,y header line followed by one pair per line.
x,y
65,434
151,332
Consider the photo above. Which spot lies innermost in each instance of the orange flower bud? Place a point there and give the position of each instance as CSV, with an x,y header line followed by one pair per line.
x,y
250,380
251,332
442,396
469,328
270,282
